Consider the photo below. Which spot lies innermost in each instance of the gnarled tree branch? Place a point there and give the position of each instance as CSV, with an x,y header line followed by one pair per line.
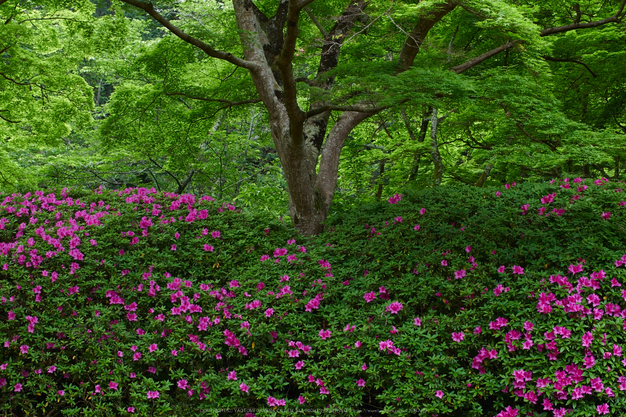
x,y
226,56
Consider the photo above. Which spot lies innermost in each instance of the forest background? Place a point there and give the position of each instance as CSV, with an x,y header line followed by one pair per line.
x,y
287,106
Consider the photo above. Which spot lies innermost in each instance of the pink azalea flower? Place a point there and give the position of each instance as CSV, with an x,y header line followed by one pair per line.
x,y
606,215
24,349
183,384
394,308
575,268
518,270
324,334
422,211
501,269
459,274
244,388
232,376
417,227
603,409
153,347
458,337
439,394
216,234
370,296
113,385
17,387
360,382
395,199
153,394
299,364
417,321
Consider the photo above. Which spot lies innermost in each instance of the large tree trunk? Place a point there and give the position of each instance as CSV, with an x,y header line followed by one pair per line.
x,y
302,139
298,139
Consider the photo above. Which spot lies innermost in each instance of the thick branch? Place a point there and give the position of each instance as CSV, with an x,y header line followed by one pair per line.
x,y
415,39
285,62
549,58
475,61
149,8
316,124
616,18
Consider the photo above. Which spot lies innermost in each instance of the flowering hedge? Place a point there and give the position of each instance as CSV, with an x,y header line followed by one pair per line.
x,y
453,301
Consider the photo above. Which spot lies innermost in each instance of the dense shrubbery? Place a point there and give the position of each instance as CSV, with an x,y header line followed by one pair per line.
x,y
453,301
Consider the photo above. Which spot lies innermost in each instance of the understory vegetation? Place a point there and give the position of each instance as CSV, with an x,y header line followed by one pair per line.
x,y
452,301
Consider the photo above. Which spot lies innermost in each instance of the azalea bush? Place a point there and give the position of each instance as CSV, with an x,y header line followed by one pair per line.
x,y
451,301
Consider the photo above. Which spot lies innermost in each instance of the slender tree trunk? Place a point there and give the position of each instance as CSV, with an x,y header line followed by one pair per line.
x,y
381,171
434,149
185,183
484,175
586,171
420,139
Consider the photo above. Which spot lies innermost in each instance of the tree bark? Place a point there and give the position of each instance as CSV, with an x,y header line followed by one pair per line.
x,y
434,149
381,171
415,39
185,183
484,175
420,139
